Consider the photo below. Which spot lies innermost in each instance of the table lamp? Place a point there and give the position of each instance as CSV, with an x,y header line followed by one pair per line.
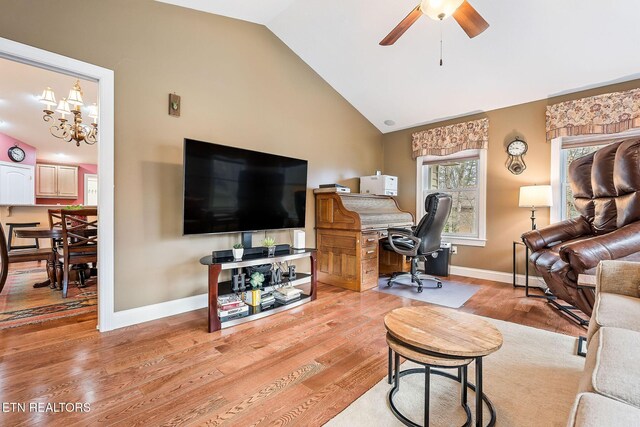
x,y
535,196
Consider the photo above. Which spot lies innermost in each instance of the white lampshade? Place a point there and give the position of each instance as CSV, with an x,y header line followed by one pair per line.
x,y
63,107
535,196
434,9
75,95
48,97
93,111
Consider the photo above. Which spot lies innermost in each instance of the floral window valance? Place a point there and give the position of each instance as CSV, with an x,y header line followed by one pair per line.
x,y
446,140
602,114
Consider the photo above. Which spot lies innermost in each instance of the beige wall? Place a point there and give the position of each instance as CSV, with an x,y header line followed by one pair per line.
x,y
240,86
505,221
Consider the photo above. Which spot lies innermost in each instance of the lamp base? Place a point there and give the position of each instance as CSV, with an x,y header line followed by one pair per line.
x,y
533,219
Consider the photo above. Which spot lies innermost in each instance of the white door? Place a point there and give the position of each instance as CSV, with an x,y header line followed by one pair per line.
x,y
90,189
16,184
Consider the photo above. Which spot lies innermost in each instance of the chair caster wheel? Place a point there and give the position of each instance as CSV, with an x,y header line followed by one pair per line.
x,y
439,284
419,290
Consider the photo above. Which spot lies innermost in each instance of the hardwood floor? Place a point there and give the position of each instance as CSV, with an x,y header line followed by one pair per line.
x,y
21,303
300,367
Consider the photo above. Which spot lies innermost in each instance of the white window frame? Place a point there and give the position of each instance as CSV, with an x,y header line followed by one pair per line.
x,y
558,171
481,240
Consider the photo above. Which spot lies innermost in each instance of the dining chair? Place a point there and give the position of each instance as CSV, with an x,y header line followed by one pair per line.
x,y
4,259
55,222
30,254
79,243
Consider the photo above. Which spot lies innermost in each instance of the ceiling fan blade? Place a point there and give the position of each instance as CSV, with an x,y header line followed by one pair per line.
x,y
470,20
403,26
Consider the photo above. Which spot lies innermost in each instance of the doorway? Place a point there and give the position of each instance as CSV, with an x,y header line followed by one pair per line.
x,y
104,193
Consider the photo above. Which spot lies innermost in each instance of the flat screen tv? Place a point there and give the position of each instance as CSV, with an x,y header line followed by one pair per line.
x,y
229,189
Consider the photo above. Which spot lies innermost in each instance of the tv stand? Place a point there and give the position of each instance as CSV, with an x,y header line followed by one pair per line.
x,y
217,288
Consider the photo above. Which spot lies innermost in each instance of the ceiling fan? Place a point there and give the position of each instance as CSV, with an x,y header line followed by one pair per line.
x,y
465,15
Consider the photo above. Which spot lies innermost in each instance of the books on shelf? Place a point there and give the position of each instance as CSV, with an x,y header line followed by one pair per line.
x,y
233,313
229,299
288,291
231,307
267,299
287,300
287,294
235,316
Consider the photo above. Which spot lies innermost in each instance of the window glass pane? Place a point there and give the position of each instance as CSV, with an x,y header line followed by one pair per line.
x,y
452,175
464,214
577,152
570,155
459,178
570,208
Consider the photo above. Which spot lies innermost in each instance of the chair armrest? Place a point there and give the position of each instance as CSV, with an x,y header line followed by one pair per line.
x,y
586,254
406,234
618,277
554,233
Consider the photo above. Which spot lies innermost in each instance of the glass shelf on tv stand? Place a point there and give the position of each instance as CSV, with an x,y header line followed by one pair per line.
x,y
229,263
257,312
216,288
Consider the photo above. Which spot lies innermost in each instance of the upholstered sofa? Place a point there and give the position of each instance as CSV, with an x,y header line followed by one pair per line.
x,y
609,391
606,191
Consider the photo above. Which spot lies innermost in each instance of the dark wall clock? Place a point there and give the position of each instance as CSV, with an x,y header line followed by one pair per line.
x,y
515,151
16,154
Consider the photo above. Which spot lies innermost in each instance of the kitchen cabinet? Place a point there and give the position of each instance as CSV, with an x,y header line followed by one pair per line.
x,y
56,181
16,184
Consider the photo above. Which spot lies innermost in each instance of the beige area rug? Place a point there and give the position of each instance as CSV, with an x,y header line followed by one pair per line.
x,y
532,381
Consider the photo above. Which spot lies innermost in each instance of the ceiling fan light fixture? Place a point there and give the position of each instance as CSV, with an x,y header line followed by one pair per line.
x,y
439,9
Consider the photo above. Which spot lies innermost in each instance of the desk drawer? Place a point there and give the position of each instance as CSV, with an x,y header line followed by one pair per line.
x,y
370,270
369,240
369,252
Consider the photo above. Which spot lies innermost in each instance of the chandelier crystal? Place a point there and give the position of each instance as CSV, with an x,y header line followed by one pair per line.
x,y
72,129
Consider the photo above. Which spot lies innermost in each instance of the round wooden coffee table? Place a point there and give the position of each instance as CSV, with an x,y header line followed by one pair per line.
x,y
438,337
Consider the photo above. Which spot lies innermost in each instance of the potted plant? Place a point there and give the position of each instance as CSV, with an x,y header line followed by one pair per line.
x,y
270,243
238,251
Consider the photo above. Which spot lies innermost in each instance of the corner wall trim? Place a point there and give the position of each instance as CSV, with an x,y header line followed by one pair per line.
x,y
147,313
495,276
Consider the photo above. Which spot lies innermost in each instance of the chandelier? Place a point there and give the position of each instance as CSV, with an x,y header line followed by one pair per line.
x,y
73,129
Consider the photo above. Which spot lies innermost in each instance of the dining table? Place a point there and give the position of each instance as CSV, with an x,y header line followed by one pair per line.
x,y
50,233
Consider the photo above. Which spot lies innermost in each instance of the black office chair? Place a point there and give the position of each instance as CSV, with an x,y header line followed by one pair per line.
x,y
422,240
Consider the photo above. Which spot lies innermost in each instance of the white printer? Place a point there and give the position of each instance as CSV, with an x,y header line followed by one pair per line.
x,y
382,185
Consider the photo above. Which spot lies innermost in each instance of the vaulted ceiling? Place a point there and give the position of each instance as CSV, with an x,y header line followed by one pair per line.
x,y
534,49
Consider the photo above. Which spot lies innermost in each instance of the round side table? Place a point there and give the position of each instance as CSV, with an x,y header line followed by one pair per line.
x,y
437,337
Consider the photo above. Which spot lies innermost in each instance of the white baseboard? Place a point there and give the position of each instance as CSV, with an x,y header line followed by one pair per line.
x,y
170,308
147,313
496,276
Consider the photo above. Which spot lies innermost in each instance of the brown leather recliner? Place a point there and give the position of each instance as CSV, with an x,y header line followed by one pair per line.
x,y
606,188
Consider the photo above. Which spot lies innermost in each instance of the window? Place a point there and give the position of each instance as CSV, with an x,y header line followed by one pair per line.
x,y
566,149
568,155
463,176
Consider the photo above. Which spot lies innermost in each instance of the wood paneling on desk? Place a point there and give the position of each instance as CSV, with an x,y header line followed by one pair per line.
x,y
348,229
